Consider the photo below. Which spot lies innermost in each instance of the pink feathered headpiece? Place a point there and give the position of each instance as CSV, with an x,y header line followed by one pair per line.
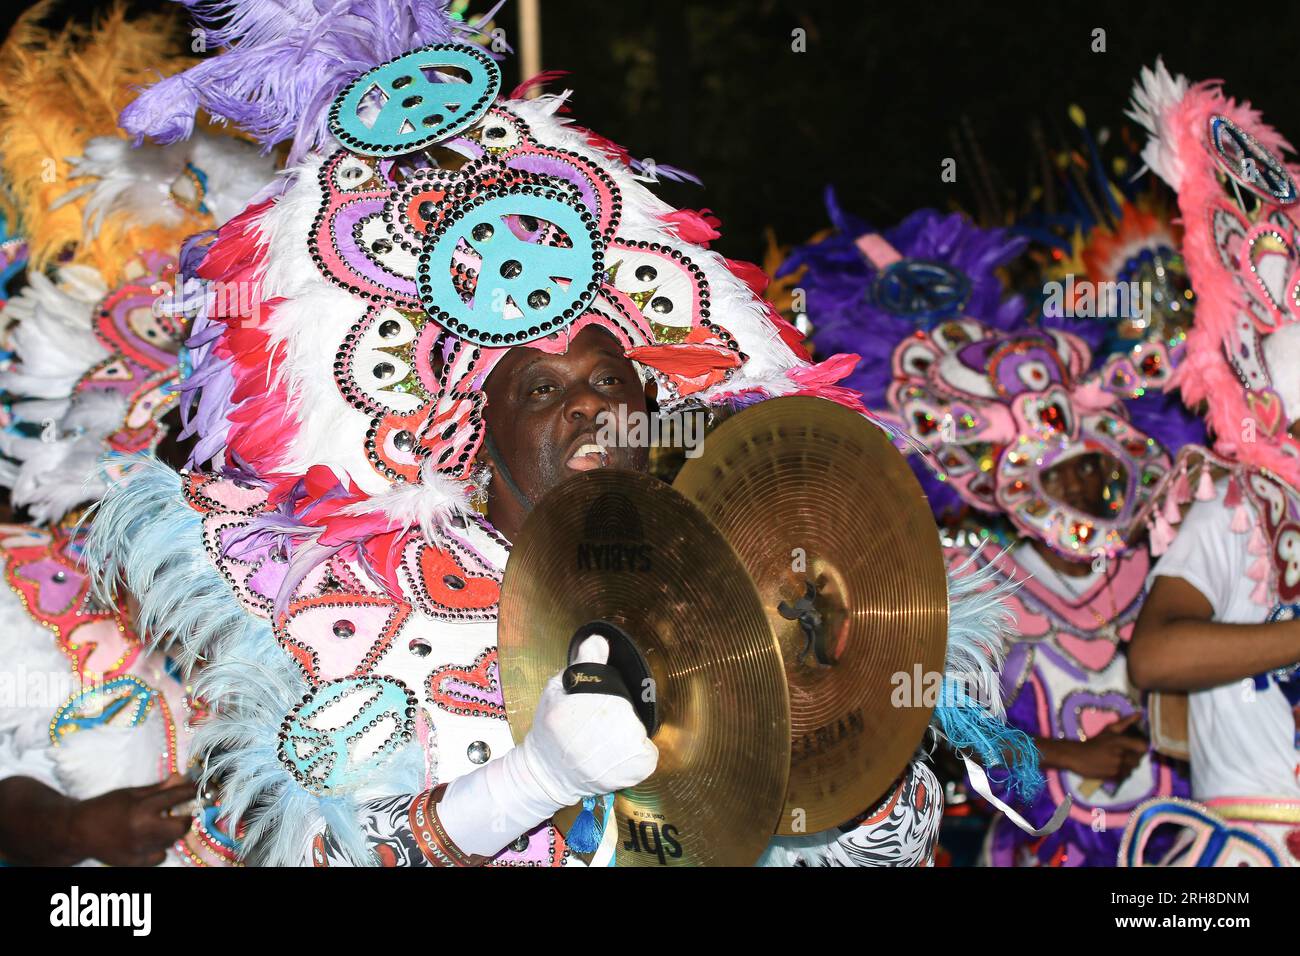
x,y
998,409
1238,200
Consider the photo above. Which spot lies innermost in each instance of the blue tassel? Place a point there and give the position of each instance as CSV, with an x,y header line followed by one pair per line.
x,y
979,626
584,836
969,728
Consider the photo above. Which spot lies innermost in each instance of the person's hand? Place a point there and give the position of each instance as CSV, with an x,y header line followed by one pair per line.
x,y
1111,754
131,827
580,745
583,745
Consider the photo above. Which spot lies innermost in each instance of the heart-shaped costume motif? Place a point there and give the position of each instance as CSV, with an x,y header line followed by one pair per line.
x,y
473,690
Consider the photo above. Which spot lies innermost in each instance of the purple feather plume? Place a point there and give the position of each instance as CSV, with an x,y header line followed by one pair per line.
x,y
207,392
839,278
282,64
845,317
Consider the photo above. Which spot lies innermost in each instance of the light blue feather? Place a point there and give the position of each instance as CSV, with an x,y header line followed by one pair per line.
x,y
145,536
970,713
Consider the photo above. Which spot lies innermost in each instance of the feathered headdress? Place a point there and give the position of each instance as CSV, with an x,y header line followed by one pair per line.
x,y
1238,199
1114,274
282,64
957,366
997,410
865,291
59,90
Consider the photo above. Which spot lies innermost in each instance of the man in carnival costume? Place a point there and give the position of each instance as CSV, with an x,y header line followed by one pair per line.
x,y
1016,425
451,290
1219,622
94,727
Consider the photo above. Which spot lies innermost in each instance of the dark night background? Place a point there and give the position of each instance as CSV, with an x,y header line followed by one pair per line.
x,y
873,104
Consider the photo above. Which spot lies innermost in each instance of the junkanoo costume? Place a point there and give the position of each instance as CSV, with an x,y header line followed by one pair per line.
x,y
325,559
994,403
88,707
1239,541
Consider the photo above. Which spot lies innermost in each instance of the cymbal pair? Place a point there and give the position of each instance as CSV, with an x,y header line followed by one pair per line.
x,y
762,608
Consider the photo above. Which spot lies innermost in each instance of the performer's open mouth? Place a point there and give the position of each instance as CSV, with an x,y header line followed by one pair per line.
x,y
588,457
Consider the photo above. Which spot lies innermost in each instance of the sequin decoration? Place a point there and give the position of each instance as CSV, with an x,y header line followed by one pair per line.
x,y
338,635
473,691
1249,163
398,108
528,284
345,730
120,702
449,582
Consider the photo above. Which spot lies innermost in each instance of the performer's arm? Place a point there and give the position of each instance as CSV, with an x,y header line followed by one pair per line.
x,y
580,745
40,826
1112,754
1178,646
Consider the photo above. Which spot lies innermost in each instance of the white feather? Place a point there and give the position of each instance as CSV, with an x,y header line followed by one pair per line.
x,y
306,328
54,341
92,763
56,476
428,505
137,183
236,172
126,182
1155,94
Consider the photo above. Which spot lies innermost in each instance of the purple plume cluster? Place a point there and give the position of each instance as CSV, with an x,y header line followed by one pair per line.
x,y
282,64
845,316
838,284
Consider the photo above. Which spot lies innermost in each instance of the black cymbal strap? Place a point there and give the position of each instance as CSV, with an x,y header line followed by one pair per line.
x,y
625,674
595,679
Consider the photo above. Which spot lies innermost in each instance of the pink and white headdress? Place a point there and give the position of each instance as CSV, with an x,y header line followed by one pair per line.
x,y
1238,199
997,409
430,226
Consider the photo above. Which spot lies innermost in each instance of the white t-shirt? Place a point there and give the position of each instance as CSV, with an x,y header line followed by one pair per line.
x,y
1068,586
1242,739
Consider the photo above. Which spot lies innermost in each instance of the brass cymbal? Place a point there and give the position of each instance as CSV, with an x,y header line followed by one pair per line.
x,y
625,549
811,493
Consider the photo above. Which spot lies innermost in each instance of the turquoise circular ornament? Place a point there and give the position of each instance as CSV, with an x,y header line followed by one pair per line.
x,y
319,741
413,109
525,289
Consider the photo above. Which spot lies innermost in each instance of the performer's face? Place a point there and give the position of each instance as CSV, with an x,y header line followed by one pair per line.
x,y
543,410
1080,482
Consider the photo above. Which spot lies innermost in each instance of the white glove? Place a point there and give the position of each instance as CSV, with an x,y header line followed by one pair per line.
x,y
580,745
